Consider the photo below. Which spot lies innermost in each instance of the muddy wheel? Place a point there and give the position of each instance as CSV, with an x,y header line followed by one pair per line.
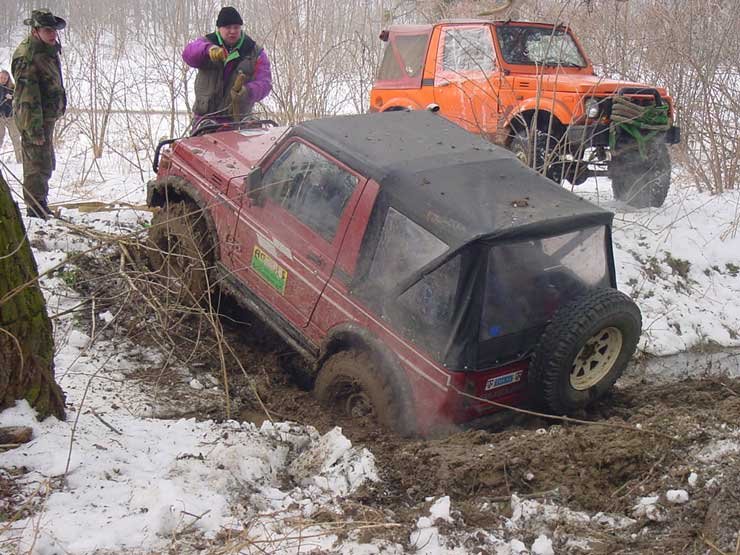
x,y
641,183
353,385
180,252
584,350
542,156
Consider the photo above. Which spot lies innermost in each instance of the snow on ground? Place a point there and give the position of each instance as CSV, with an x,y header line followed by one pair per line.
x,y
681,264
110,478
136,484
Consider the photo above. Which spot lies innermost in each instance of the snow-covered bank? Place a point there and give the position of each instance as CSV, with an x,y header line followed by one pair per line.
x,y
135,483
681,264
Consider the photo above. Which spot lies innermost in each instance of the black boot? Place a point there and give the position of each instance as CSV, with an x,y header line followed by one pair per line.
x,y
38,209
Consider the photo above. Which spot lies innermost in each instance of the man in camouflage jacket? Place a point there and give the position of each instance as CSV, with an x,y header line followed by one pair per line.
x,y
39,101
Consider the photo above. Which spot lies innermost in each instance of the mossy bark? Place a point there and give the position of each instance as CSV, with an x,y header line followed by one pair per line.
x,y
26,336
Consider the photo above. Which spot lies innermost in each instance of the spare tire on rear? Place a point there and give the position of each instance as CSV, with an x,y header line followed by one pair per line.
x,y
584,350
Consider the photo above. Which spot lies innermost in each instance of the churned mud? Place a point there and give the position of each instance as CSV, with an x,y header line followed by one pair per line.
x,y
657,470
645,441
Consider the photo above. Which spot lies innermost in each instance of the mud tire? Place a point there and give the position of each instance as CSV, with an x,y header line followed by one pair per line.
x,y
641,183
180,252
353,384
541,155
602,326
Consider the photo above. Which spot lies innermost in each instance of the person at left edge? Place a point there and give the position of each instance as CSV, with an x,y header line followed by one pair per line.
x,y
7,123
39,101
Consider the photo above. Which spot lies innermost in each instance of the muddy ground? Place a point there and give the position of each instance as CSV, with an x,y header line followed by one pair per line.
x,y
686,427
645,440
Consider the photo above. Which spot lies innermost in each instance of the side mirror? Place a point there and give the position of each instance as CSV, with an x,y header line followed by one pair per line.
x,y
253,185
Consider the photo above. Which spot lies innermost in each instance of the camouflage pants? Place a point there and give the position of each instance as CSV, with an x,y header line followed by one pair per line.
x,y
38,163
8,125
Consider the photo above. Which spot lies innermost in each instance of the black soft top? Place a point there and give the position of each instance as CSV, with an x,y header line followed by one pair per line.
x,y
455,184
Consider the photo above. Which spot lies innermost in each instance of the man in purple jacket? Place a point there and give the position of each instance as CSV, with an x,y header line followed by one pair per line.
x,y
220,59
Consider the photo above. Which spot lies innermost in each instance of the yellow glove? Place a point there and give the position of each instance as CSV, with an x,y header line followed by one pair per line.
x,y
217,53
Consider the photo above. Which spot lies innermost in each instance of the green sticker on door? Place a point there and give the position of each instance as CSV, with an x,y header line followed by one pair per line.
x,y
269,270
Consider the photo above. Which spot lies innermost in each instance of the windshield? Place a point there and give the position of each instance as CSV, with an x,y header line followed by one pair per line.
x,y
543,46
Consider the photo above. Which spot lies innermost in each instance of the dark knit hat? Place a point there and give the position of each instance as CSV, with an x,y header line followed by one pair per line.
x,y
228,16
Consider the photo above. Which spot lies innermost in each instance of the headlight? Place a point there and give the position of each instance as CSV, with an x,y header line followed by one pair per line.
x,y
591,107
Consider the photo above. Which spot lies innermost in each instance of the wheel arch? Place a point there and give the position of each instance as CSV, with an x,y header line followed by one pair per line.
x,y
174,188
352,336
523,120
399,104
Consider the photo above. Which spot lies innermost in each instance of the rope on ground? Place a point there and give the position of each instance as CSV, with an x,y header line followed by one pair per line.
x,y
567,419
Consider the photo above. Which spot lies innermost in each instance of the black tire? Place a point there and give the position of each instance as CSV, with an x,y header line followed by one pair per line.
x,y
180,252
584,350
355,386
541,157
641,183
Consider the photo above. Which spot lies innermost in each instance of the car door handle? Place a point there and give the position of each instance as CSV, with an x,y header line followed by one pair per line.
x,y
315,258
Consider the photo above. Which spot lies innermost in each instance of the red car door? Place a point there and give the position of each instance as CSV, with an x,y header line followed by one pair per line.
x,y
290,238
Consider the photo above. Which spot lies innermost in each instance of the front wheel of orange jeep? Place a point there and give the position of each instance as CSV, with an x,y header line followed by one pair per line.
x,y
540,153
638,181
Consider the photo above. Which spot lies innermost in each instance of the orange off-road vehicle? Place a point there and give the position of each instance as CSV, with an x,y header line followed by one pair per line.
x,y
531,88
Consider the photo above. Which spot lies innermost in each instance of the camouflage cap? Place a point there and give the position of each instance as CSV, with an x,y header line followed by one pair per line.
x,y
44,18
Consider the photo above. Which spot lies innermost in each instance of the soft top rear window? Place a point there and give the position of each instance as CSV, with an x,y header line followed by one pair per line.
x,y
403,61
527,281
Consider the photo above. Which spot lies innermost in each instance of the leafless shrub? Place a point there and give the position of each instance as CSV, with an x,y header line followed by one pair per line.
x,y
325,52
689,46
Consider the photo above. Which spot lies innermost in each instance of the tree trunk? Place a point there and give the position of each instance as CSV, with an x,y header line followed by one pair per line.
x,y
26,338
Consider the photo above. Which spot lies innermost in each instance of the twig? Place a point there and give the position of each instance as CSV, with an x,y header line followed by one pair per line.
x,y
535,495
21,361
96,415
728,388
710,544
26,504
70,310
192,524
645,479
10,445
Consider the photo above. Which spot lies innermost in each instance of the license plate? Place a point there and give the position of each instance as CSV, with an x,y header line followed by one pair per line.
x,y
506,379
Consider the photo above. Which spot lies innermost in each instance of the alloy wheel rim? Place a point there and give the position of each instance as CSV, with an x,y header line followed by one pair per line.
x,y
596,358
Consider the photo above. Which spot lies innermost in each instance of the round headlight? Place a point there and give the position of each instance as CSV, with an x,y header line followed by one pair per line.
x,y
591,106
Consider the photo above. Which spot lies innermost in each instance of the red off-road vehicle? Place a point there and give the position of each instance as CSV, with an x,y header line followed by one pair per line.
x,y
420,270
531,87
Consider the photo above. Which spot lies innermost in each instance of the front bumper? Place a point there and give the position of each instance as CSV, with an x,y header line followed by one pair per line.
x,y
597,134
